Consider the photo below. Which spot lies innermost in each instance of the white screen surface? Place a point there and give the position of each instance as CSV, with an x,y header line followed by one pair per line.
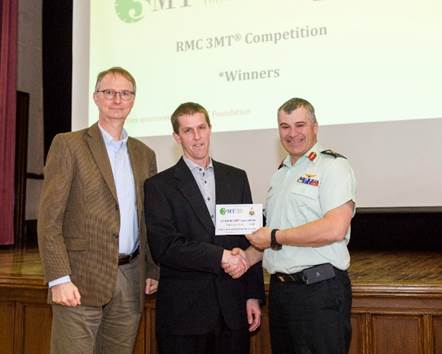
x,y
241,58
356,61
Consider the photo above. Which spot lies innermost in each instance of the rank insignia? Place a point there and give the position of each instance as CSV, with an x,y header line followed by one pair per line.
x,y
308,180
312,156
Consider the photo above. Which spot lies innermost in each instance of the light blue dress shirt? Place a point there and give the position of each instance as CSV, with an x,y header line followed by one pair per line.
x,y
125,185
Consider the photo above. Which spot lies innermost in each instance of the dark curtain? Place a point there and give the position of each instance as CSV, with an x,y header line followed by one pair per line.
x,y
8,76
57,68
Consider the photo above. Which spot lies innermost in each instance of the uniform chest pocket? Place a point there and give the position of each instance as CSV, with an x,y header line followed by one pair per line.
x,y
304,195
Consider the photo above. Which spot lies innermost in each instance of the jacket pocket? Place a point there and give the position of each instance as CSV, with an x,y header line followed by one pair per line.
x,y
76,244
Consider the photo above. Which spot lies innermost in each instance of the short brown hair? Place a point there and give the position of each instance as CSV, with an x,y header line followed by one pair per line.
x,y
187,108
294,103
116,70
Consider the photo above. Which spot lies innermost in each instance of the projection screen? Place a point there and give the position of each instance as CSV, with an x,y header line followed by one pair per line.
x,y
372,69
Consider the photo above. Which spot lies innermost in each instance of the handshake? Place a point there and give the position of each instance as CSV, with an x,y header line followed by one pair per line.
x,y
235,262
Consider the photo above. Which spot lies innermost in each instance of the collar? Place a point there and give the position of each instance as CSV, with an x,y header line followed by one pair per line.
x,y
194,166
311,156
110,141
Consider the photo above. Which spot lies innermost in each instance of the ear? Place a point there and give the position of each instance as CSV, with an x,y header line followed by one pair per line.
x,y
95,97
177,138
316,128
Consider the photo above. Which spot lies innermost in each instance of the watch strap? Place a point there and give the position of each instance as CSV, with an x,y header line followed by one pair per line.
x,y
275,245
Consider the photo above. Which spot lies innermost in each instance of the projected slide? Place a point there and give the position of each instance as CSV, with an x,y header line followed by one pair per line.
x,y
356,61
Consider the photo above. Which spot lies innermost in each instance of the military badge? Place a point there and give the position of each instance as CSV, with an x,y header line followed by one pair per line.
x,y
308,179
312,156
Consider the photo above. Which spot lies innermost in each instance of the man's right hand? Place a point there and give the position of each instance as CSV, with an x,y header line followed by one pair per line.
x,y
235,262
66,294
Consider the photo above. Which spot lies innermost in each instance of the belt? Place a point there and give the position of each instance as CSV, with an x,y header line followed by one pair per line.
x,y
289,278
308,276
127,258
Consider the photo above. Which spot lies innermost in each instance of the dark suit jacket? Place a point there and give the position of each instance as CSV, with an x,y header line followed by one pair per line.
x,y
194,290
79,219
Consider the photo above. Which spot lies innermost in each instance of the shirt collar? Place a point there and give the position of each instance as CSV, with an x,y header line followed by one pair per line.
x,y
193,166
311,155
111,142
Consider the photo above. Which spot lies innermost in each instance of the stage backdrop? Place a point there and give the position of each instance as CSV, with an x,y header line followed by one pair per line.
x,y
371,68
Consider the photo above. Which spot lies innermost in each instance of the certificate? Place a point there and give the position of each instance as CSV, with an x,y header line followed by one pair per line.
x,y
237,219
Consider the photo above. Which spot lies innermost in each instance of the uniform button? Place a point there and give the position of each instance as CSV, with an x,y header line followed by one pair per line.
x,y
115,235
117,208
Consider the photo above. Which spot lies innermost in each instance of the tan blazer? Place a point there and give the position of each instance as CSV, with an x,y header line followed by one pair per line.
x,y
79,220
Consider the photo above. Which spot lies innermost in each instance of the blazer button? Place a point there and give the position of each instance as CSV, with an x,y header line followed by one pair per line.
x,y
115,235
117,208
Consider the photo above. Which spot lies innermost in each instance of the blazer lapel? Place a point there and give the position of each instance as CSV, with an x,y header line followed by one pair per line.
x,y
98,150
189,188
137,170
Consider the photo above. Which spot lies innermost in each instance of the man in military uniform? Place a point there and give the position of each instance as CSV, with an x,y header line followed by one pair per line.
x,y
309,207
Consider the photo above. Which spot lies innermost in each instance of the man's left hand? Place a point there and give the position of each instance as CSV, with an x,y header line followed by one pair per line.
x,y
151,286
253,314
260,238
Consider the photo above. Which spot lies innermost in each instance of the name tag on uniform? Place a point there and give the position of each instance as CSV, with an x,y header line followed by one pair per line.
x,y
237,219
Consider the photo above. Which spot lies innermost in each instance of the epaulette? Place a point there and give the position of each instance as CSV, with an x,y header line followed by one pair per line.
x,y
332,153
281,165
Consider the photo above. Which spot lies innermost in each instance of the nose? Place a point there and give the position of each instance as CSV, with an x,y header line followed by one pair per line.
x,y
292,131
117,97
197,134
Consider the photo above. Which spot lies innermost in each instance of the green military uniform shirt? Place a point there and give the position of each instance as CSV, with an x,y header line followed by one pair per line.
x,y
317,183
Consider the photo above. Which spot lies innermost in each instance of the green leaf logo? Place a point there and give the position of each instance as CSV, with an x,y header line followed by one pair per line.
x,y
129,11
222,211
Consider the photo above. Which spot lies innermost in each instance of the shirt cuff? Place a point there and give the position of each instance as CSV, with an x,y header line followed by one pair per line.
x,y
58,281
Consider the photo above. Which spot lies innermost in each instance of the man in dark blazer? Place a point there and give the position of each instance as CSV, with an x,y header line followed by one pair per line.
x,y
91,230
200,308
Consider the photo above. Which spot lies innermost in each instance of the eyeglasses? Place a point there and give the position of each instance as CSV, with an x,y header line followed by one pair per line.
x,y
125,95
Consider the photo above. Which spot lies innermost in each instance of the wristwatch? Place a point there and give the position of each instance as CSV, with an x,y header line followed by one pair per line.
x,y
274,245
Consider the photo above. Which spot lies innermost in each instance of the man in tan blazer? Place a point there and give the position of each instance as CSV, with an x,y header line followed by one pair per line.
x,y
91,230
